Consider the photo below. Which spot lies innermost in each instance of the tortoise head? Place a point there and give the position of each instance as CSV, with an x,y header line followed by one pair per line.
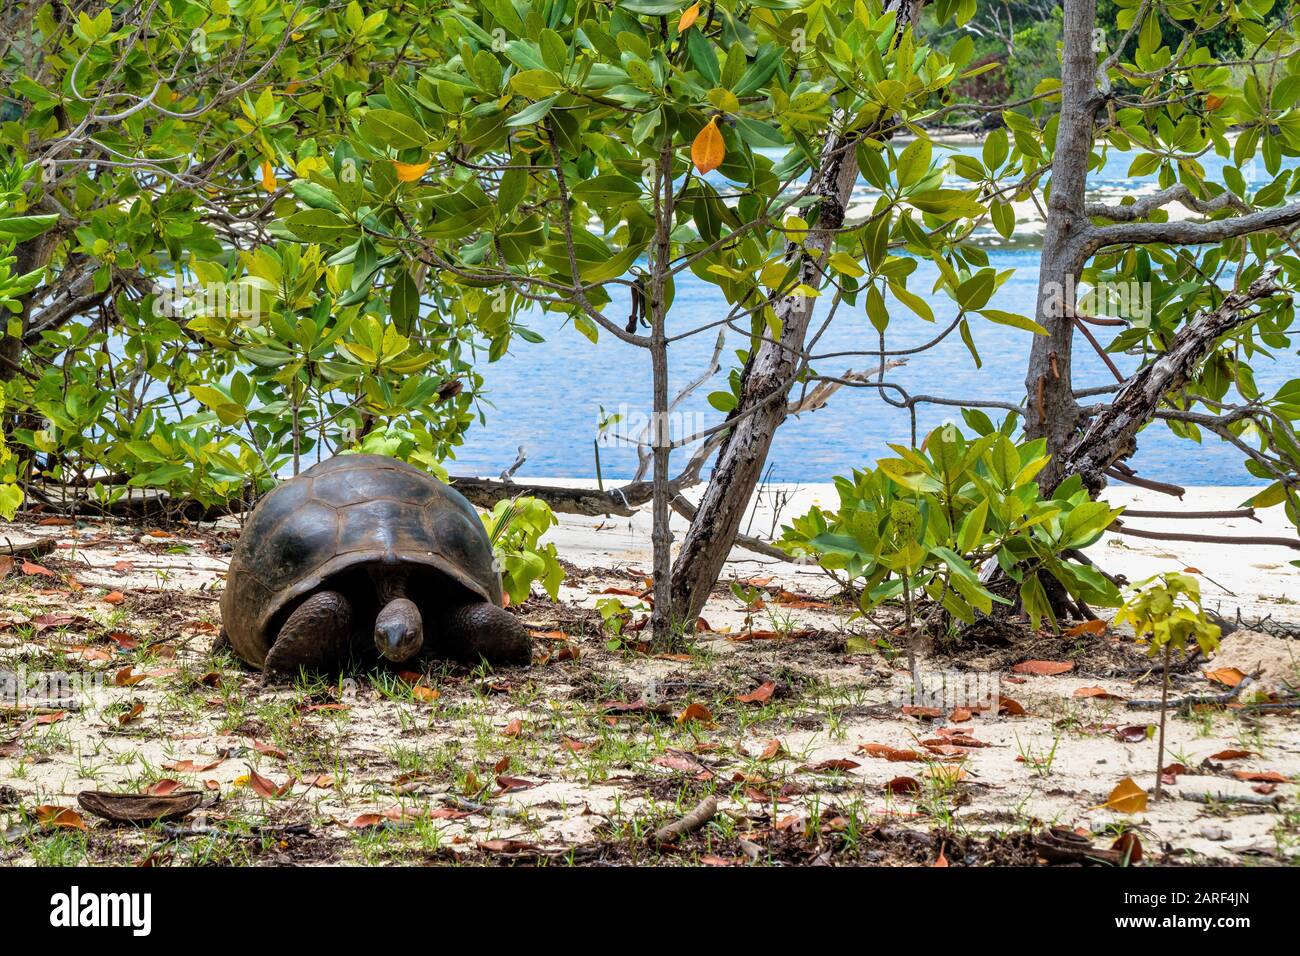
x,y
399,632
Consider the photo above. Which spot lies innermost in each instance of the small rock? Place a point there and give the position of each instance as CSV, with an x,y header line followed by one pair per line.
x,y
1217,834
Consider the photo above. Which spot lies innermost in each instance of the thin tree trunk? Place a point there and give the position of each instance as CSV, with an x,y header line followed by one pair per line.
x,y
662,622
1051,410
768,377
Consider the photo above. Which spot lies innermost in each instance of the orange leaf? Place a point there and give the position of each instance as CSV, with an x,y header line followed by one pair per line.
x,y
708,150
1127,797
270,751
115,597
160,788
426,694
888,753
1042,668
52,817
1227,676
268,178
1232,754
1087,627
688,17
1130,846
410,172
1213,101
29,568
759,695
1096,692
837,764
126,677
1268,776
695,712
266,787
772,751
514,728
902,786
189,766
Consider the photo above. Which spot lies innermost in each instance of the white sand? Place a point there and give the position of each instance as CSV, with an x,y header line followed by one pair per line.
x,y
1258,580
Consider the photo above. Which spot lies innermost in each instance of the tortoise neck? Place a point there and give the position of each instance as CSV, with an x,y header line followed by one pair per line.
x,y
390,583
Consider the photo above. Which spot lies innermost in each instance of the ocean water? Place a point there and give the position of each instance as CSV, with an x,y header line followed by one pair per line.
x,y
547,397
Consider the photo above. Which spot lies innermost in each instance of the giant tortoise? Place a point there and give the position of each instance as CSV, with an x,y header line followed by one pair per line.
x,y
363,554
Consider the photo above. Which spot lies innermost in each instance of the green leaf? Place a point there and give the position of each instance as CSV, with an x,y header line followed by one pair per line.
x,y
534,113
391,128
1013,320
22,228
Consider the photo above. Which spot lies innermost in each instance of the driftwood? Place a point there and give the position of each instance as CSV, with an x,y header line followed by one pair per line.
x,y
1197,700
25,547
704,811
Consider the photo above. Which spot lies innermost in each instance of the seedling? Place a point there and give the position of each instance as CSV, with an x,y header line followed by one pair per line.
x,y
1165,612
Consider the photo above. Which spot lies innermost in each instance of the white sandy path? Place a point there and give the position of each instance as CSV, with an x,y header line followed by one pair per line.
x,y
1258,580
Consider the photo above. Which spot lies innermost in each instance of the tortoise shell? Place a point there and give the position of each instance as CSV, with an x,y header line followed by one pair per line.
x,y
339,515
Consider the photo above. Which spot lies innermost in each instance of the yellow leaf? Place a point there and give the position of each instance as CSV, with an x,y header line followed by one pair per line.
x,y
689,16
409,172
1127,797
268,178
708,150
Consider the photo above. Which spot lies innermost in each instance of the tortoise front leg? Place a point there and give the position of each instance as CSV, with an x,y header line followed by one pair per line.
x,y
484,631
317,636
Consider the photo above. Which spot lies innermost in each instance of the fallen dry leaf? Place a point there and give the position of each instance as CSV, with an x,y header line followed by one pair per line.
x,y
1232,754
1087,627
266,787
903,786
514,728
1129,846
1127,797
1097,692
52,817
269,750
773,751
1227,676
1042,668
759,695
114,597
160,788
830,765
1266,776
696,711
1134,734
886,752
189,766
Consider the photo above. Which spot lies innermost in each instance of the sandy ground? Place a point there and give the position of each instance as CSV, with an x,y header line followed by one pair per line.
x,y
793,714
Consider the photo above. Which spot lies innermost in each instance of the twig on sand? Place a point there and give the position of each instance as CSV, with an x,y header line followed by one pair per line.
x,y
704,811
1205,796
1197,700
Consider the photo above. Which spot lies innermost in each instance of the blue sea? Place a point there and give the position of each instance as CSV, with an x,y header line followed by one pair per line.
x,y
547,397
